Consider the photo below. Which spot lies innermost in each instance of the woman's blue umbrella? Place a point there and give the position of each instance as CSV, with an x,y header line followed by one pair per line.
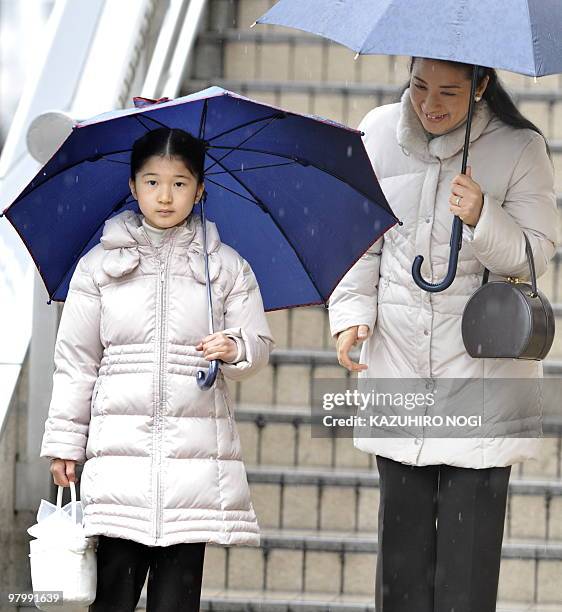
x,y
523,36
294,194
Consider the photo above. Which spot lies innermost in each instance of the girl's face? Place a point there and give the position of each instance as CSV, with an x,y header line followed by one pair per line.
x,y
440,94
166,191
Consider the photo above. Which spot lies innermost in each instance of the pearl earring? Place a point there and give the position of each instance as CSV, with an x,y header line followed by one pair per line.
x,y
478,98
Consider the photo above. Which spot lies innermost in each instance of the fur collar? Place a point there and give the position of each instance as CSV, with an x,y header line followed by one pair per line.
x,y
412,138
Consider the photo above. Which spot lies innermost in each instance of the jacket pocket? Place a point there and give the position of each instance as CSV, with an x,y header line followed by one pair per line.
x,y
383,286
95,394
229,411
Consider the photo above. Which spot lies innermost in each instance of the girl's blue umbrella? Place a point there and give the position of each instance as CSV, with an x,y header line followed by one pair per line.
x,y
523,36
295,195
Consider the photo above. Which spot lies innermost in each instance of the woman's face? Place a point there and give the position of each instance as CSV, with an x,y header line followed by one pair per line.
x,y
440,94
166,191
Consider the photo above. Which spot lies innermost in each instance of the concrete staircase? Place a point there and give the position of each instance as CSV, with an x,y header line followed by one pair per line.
x,y
317,498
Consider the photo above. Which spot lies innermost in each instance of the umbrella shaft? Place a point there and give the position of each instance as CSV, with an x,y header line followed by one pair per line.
x,y
207,277
473,87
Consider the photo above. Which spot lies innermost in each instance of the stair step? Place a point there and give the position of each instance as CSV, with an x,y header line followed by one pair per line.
x,y
344,564
347,501
282,436
328,358
237,600
296,45
303,89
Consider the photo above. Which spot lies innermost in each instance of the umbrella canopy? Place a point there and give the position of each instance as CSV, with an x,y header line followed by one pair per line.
x,y
294,194
523,36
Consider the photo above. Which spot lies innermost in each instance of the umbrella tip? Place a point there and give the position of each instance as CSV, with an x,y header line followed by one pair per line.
x,y
254,24
356,56
48,302
400,223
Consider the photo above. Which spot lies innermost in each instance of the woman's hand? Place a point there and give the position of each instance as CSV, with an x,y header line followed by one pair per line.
x,y
63,471
346,339
471,198
218,346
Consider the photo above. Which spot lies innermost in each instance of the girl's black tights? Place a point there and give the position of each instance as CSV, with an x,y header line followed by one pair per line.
x,y
175,574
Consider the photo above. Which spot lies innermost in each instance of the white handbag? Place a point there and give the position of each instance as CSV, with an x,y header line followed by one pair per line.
x,y
62,559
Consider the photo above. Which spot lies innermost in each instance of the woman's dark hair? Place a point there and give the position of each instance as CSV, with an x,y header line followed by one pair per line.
x,y
169,142
498,99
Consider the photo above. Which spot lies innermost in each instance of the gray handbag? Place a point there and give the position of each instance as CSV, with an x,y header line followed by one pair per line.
x,y
510,319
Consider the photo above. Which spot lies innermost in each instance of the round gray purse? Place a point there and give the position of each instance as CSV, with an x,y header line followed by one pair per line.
x,y
509,319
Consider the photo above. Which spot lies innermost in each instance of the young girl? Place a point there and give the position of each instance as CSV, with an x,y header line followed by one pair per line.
x,y
163,472
442,501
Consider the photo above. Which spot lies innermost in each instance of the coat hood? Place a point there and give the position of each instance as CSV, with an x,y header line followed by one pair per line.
x,y
123,234
411,134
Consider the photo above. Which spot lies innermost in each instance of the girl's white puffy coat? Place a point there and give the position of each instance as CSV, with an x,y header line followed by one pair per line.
x,y
163,463
416,334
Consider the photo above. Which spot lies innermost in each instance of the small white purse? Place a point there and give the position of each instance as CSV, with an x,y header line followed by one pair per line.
x,y
62,559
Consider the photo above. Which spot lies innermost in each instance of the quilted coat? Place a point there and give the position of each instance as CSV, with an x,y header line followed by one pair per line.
x,y
416,334
162,458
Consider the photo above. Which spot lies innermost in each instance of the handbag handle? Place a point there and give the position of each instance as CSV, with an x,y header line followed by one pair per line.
x,y
530,261
72,497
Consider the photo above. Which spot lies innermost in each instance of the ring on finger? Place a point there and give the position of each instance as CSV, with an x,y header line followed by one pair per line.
x,y
458,200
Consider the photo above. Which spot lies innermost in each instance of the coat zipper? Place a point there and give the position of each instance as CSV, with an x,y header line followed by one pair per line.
x,y
162,286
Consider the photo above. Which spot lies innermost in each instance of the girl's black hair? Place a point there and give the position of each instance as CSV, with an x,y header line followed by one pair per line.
x,y
169,142
498,99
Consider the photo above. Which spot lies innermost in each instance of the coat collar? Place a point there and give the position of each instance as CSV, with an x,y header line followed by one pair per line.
x,y
124,233
125,230
412,138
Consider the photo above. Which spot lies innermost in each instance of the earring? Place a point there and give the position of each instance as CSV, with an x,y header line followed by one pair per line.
x,y
478,98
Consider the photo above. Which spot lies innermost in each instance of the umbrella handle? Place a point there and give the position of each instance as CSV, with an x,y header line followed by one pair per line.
x,y
456,241
456,232
206,378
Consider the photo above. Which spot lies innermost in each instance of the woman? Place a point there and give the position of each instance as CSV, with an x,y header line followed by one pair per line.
x,y
163,471
460,484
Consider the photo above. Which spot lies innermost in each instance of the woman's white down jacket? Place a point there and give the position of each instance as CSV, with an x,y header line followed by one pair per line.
x,y
416,334
162,458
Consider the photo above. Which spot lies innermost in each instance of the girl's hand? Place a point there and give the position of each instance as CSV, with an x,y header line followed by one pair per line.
x,y
346,339
218,346
63,471
471,198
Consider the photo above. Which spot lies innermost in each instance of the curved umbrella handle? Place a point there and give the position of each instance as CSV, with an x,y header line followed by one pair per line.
x,y
206,378
456,241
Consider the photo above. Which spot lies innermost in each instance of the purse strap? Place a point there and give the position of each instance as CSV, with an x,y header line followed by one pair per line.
x,y
531,263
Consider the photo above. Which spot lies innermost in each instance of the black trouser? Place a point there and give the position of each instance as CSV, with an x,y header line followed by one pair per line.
x,y
440,537
174,579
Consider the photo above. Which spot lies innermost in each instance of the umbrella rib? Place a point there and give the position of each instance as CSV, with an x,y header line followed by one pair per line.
x,y
117,206
290,163
151,119
203,120
303,163
116,161
260,203
73,165
237,147
248,123
231,190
